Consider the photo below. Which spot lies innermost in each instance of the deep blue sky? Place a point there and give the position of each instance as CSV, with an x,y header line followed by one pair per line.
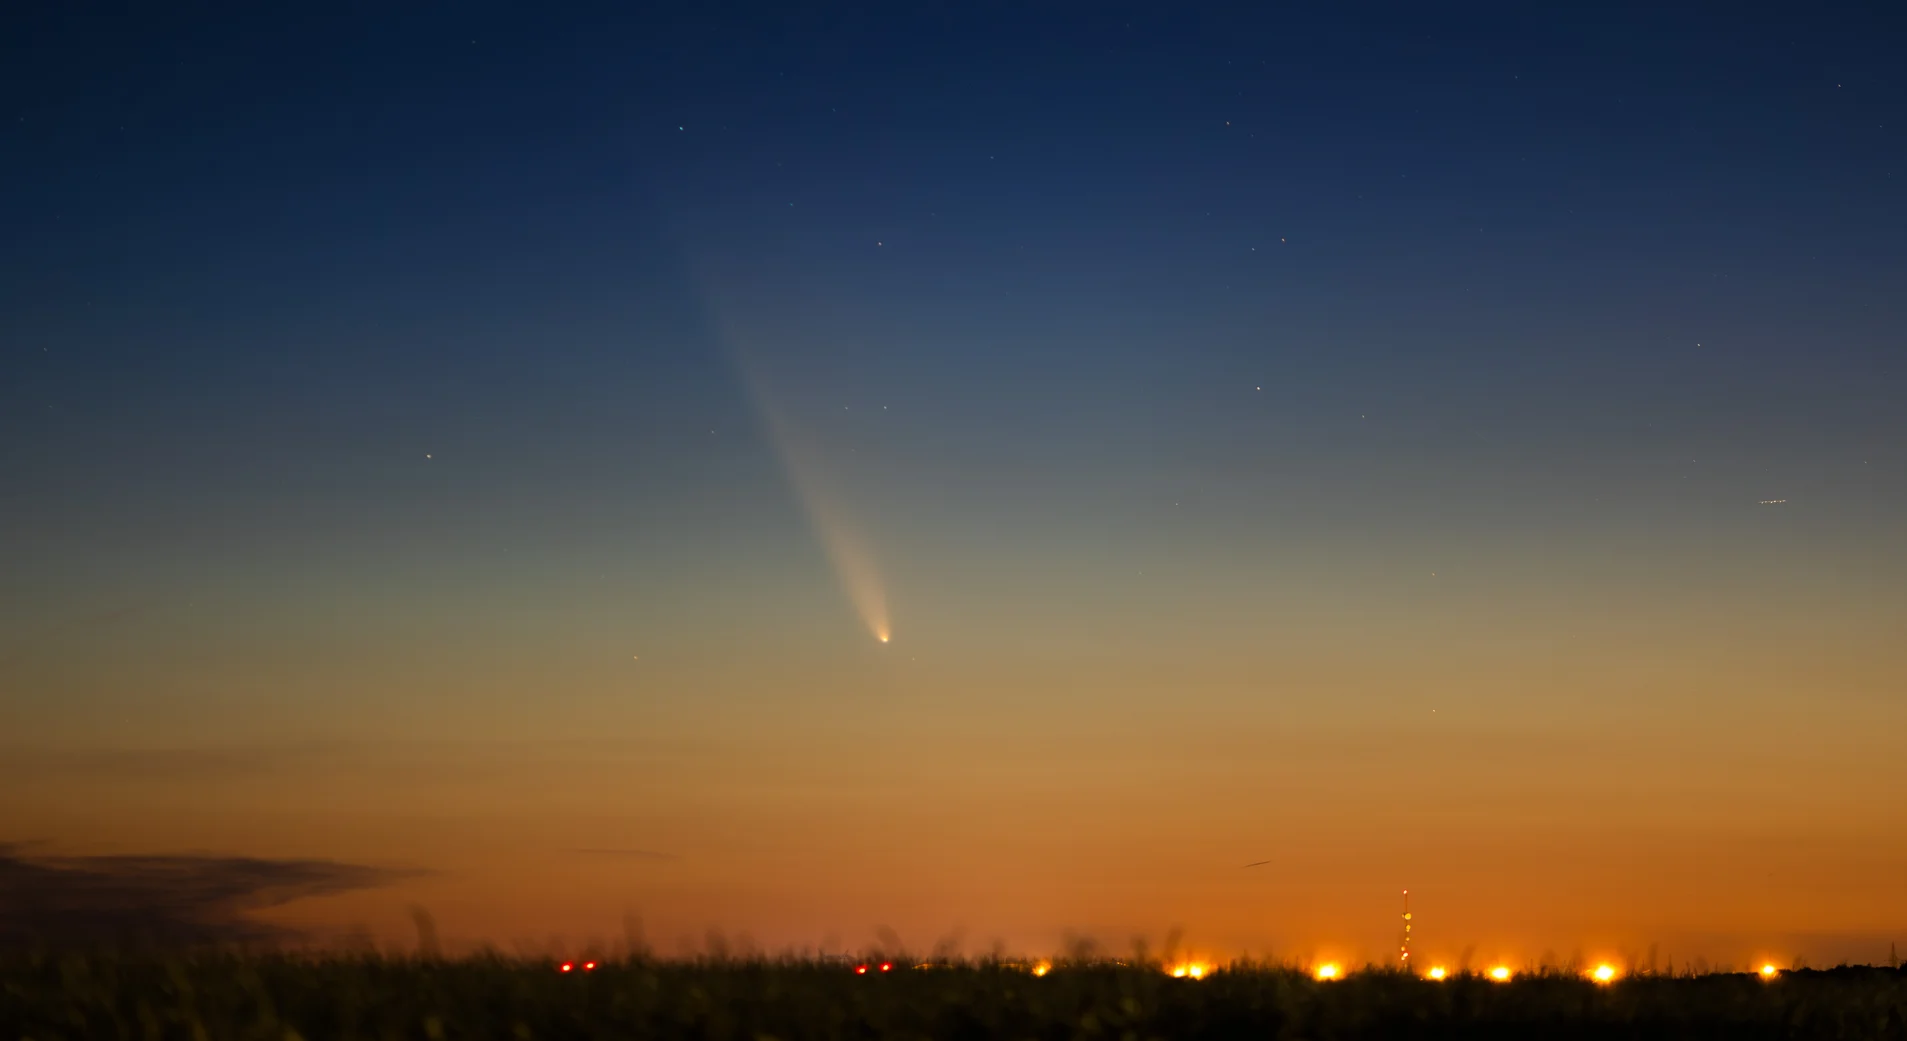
x,y
339,226
387,371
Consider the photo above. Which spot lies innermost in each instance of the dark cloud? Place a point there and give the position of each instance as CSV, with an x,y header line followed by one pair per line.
x,y
161,900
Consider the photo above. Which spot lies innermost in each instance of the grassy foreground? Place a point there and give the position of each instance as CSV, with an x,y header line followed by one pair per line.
x,y
272,998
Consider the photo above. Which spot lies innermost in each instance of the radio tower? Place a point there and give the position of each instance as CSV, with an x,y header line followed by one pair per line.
x,y
1403,947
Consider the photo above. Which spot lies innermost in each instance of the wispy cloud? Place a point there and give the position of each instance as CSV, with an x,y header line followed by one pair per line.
x,y
96,620
628,854
139,764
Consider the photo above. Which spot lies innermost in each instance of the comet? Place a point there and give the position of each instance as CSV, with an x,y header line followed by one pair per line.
x,y
841,538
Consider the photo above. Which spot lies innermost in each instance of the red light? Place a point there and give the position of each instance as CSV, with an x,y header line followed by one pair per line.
x,y
565,967
589,966
886,965
860,970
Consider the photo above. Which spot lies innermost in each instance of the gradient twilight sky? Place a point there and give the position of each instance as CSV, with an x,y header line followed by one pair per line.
x,y
478,441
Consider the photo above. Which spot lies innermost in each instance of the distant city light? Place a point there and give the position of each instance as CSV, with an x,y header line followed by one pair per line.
x,y
1500,974
860,970
1328,971
1604,973
565,967
1436,972
886,966
589,966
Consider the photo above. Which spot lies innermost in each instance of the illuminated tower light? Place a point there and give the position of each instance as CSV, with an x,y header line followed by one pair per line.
x,y
1403,947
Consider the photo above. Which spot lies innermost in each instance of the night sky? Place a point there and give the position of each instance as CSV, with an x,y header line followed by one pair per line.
x,y
976,473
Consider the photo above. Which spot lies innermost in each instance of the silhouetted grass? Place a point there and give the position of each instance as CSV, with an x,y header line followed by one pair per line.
x,y
280,998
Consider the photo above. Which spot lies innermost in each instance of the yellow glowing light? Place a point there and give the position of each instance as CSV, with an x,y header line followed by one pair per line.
x,y
1500,974
1328,971
1604,973
1042,968
1190,970
1768,972
1436,972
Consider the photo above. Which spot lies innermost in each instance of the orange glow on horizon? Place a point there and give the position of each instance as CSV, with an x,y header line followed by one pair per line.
x,y
1604,973
1436,972
1500,974
1328,971
1768,972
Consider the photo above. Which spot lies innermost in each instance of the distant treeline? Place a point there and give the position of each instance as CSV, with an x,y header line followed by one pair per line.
x,y
211,997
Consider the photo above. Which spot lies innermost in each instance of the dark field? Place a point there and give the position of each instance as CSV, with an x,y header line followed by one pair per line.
x,y
284,998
